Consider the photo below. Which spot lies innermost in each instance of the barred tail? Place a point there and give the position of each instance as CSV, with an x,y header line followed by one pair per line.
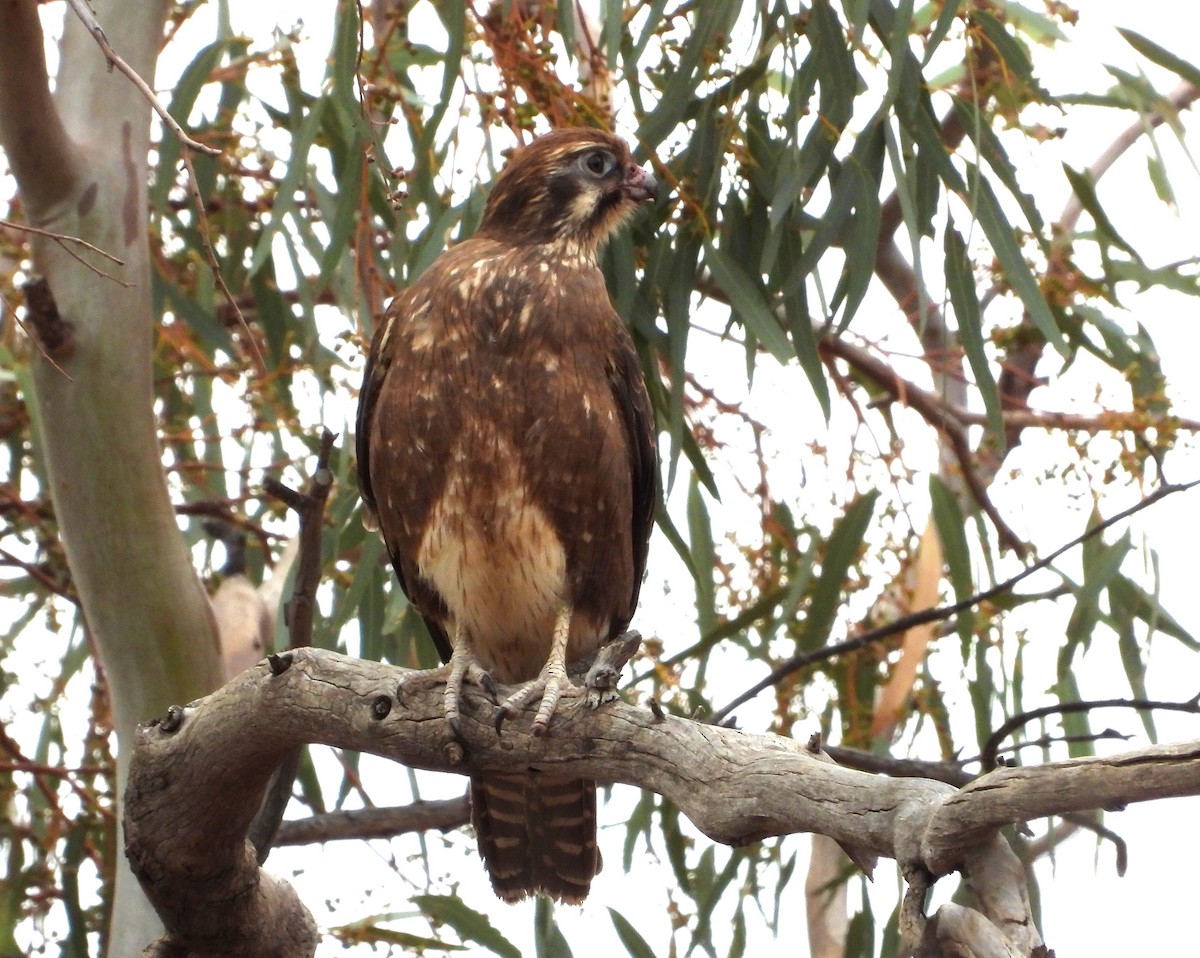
x,y
537,834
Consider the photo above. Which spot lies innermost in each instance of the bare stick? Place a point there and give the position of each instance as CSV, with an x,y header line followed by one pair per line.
x,y
114,60
987,758
361,823
215,265
63,239
904,623
1180,98
298,613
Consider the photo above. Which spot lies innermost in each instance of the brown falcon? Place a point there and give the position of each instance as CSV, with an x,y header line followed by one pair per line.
x,y
506,452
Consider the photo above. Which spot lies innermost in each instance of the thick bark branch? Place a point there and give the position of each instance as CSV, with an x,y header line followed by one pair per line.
x,y
1009,795
31,130
196,780
144,605
441,815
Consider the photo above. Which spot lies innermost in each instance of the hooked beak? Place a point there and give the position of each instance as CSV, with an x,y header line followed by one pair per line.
x,y
640,184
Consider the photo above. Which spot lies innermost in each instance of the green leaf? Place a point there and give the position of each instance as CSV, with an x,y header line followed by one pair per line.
x,y
634,943
639,825
564,19
1164,58
344,219
951,529
703,555
1144,606
992,150
960,283
748,303
1133,659
211,334
1012,262
839,81
468,924
847,192
678,93
860,237
841,551
1156,170
548,939
804,337
860,935
1085,190
1101,565
1075,725
946,17
285,195
982,689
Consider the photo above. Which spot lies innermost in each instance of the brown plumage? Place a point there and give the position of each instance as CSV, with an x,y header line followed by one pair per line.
x,y
506,452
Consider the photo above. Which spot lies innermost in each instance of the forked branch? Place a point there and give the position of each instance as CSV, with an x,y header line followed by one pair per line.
x,y
196,780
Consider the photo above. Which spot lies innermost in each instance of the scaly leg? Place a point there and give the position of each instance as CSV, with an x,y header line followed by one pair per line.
x,y
463,666
551,684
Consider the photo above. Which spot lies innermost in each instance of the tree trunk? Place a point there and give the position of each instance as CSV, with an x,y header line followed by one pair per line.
x,y
80,159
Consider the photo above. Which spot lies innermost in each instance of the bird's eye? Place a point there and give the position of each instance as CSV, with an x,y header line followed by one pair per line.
x,y
598,163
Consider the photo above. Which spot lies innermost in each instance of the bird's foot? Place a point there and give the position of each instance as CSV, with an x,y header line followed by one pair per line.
x,y
552,684
464,667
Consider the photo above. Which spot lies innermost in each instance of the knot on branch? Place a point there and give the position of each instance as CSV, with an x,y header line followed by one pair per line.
x,y
55,335
381,708
172,721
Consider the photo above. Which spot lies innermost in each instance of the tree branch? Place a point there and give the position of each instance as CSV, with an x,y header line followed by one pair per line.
x,y
196,780
310,507
88,19
987,757
1008,795
298,613
31,130
906,622
361,823
1180,98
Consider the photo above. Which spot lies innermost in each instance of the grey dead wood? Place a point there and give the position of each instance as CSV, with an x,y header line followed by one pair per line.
x,y
194,789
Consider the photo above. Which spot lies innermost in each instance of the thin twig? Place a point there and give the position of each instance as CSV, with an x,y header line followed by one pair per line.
x,y
904,623
39,575
62,239
215,265
987,757
35,339
114,60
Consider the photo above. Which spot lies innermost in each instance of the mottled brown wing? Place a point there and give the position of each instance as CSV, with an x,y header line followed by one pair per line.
x,y
377,364
379,361
629,390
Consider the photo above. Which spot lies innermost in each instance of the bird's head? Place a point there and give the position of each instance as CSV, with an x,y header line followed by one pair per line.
x,y
573,187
